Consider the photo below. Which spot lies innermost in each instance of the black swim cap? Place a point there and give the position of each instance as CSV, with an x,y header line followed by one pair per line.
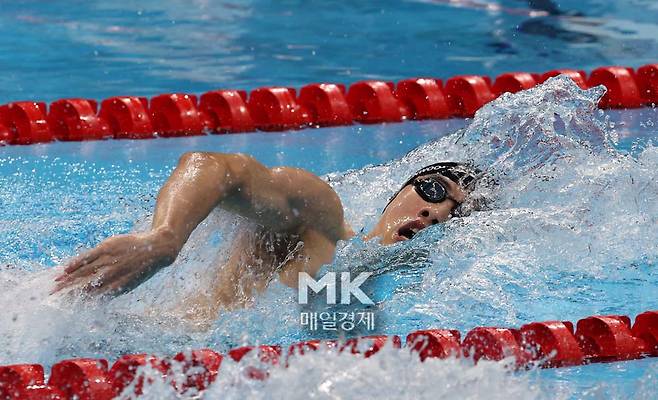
x,y
460,173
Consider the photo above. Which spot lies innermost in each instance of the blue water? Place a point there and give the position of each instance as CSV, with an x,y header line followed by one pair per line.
x,y
528,263
98,49
62,197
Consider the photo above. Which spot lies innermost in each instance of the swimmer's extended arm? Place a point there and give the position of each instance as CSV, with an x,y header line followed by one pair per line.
x,y
284,199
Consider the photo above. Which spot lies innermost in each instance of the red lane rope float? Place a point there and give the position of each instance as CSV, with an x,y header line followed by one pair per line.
x,y
76,120
281,108
513,82
83,378
277,109
545,344
552,341
469,93
373,102
647,79
124,371
623,91
579,77
128,117
423,98
176,115
226,111
25,122
326,104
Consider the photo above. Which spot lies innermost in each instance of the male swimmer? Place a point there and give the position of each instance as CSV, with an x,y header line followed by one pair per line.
x,y
299,219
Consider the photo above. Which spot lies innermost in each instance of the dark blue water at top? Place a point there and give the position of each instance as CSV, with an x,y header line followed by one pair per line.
x,y
96,49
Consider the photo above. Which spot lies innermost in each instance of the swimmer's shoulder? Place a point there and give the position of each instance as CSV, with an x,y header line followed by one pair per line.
x,y
314,201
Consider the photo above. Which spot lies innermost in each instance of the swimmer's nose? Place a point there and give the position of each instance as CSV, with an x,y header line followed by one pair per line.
x,y
429,216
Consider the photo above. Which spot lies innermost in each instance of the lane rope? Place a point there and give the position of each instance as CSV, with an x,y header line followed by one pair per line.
x,y
546,344
282,108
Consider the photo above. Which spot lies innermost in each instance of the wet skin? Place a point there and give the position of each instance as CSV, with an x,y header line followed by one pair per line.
x,y
298,208
408,213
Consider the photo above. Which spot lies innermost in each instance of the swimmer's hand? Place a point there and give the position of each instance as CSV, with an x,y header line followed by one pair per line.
x,y
118,264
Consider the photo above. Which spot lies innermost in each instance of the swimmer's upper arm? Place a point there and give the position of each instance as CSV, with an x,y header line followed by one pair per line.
x,y
281,198
315,204
317,251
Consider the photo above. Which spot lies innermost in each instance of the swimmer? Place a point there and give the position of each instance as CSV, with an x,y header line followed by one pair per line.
x,y
298,215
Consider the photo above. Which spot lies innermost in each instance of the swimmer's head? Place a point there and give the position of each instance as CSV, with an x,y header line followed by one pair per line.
x,y
431,196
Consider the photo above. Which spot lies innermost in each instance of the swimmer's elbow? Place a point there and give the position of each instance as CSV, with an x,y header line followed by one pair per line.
x,y
231,170
205,160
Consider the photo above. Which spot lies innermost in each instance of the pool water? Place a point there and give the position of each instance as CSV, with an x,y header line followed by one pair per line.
x,y
99,49
571,232
559,244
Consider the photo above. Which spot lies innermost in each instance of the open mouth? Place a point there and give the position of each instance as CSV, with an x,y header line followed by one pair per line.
x,y
410,229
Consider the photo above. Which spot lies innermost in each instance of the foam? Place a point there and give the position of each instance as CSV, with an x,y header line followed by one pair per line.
x,y
326,374
571,232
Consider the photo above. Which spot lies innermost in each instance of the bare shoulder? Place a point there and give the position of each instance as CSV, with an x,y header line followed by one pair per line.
x,y
239,164
313,200
283,196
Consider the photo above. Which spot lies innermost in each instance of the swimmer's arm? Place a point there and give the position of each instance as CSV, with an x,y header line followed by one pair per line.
x,y
195,187
280,198
122,262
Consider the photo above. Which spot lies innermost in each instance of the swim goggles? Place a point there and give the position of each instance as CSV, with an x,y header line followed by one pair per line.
x,y
432,189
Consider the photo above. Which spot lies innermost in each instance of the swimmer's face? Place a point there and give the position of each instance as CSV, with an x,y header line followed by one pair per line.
x,y
408,213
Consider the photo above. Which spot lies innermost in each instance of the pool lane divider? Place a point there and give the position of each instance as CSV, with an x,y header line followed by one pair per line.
x,y
538,344
272,109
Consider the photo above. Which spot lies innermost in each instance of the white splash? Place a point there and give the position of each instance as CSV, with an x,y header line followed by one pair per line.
x,y
571,232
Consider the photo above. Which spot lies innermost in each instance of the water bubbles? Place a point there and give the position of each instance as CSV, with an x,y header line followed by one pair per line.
x,y
569,231
565,204
327,374
97,282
